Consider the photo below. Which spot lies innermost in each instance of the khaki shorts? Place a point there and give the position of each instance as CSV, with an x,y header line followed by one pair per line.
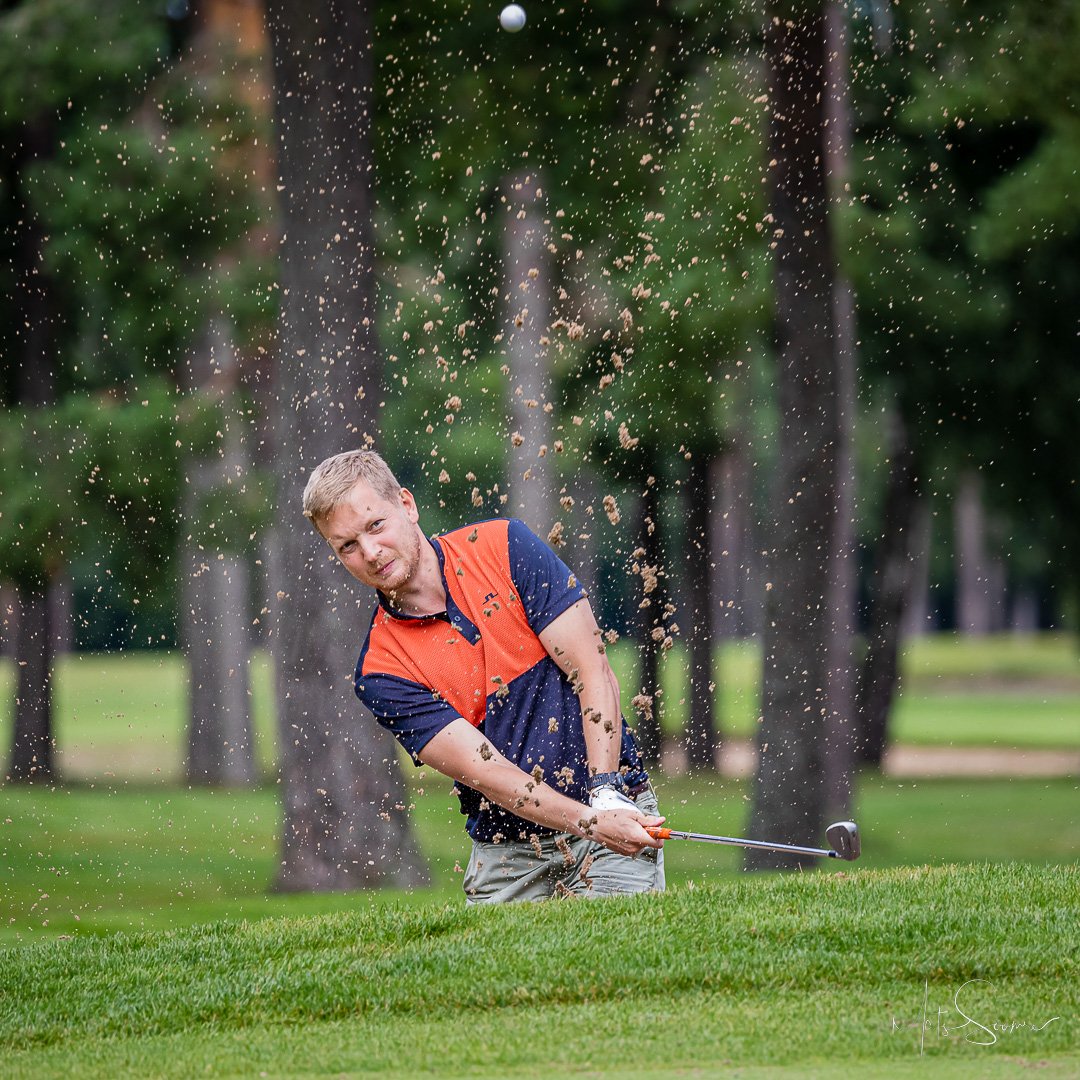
x,y
565,865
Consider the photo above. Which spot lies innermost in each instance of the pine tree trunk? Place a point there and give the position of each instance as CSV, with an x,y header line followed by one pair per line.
x,y
729,527
702,740
217,601
890,587
841,720
650,612
9,618
973,604
790,791
917,619
216,587
528,288
1024,613
32,742
345,824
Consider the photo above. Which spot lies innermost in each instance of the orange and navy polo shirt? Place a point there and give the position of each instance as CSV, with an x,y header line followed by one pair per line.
x,y
482,659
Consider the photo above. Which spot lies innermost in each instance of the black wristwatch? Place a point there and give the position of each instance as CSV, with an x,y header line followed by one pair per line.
x,y
615,780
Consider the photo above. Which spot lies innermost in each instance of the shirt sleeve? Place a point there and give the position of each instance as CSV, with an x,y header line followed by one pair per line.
x,y
412,713
545,584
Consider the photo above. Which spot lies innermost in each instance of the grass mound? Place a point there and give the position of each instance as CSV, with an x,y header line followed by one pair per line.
x,y
874,966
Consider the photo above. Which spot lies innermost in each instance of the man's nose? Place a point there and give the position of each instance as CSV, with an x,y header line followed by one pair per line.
x,y
370,547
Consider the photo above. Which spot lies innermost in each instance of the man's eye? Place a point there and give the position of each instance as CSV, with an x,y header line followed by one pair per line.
x,y
347,546
377,524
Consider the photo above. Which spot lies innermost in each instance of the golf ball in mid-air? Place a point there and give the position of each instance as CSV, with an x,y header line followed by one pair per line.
x,y
512,18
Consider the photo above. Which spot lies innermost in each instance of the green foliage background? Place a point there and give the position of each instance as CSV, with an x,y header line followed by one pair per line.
x,y
646,135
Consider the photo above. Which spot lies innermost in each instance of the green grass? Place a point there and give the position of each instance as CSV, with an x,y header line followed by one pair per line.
x,y
123,714
1016,658
91,860
789,976
138,936
1006,690
1005,719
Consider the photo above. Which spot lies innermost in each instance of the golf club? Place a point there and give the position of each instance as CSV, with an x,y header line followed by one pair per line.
x,y
843,835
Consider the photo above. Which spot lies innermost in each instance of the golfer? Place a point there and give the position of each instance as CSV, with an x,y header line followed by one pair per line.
x,y
485,661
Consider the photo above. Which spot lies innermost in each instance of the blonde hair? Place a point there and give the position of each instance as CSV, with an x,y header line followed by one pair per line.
x,y
330,483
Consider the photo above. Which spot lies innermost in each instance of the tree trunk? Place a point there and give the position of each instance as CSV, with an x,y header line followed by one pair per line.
x,y
32,742
216,589
582,550
729,527
36,334
790,792
9,618
841,725
841,721
917,619
650,619
973,601
345,825
890,587
217,602
702,741
61,613
1024,613
532,468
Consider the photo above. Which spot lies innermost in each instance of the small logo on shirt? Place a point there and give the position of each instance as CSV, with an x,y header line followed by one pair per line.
x,y
490,596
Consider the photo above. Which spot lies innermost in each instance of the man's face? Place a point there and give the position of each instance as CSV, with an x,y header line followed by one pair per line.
x,y
375,539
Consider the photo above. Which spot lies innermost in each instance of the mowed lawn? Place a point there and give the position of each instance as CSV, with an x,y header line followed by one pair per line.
x,y
968,971
123,714
84,860
125,847
1005,690
139,936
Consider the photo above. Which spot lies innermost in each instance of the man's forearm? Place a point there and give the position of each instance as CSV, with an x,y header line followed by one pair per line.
x,y
602,721
463,753
507,786
504,784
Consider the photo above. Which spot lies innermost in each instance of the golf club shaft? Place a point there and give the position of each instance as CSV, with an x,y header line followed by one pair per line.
x,y
661,833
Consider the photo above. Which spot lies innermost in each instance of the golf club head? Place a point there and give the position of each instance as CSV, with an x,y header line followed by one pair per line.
x,y
844,839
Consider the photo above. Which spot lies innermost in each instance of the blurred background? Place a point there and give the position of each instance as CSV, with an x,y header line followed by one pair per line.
x,y
561,275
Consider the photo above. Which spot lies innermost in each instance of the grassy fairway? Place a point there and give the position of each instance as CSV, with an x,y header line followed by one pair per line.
x,y
827,971
805,976
89,860
1008,690
123,714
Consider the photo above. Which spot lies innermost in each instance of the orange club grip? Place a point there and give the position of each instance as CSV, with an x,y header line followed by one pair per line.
x,y
658,832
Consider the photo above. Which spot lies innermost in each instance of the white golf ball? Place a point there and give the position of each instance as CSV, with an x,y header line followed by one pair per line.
x,y
512,18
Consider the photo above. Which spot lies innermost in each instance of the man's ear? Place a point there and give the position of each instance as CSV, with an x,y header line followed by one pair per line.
x,y
411,509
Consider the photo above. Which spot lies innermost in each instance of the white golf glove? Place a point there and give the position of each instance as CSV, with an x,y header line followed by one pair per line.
x,y
608,798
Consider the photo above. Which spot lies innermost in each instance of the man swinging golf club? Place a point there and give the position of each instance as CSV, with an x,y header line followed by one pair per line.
x,y
485,661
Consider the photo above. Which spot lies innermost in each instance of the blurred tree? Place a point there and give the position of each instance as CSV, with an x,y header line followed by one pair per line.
x,y
962,246
215,593
890,583
531,404
790,790
345,824
100,163
667,372
465,116
224,507
840,666
998,110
